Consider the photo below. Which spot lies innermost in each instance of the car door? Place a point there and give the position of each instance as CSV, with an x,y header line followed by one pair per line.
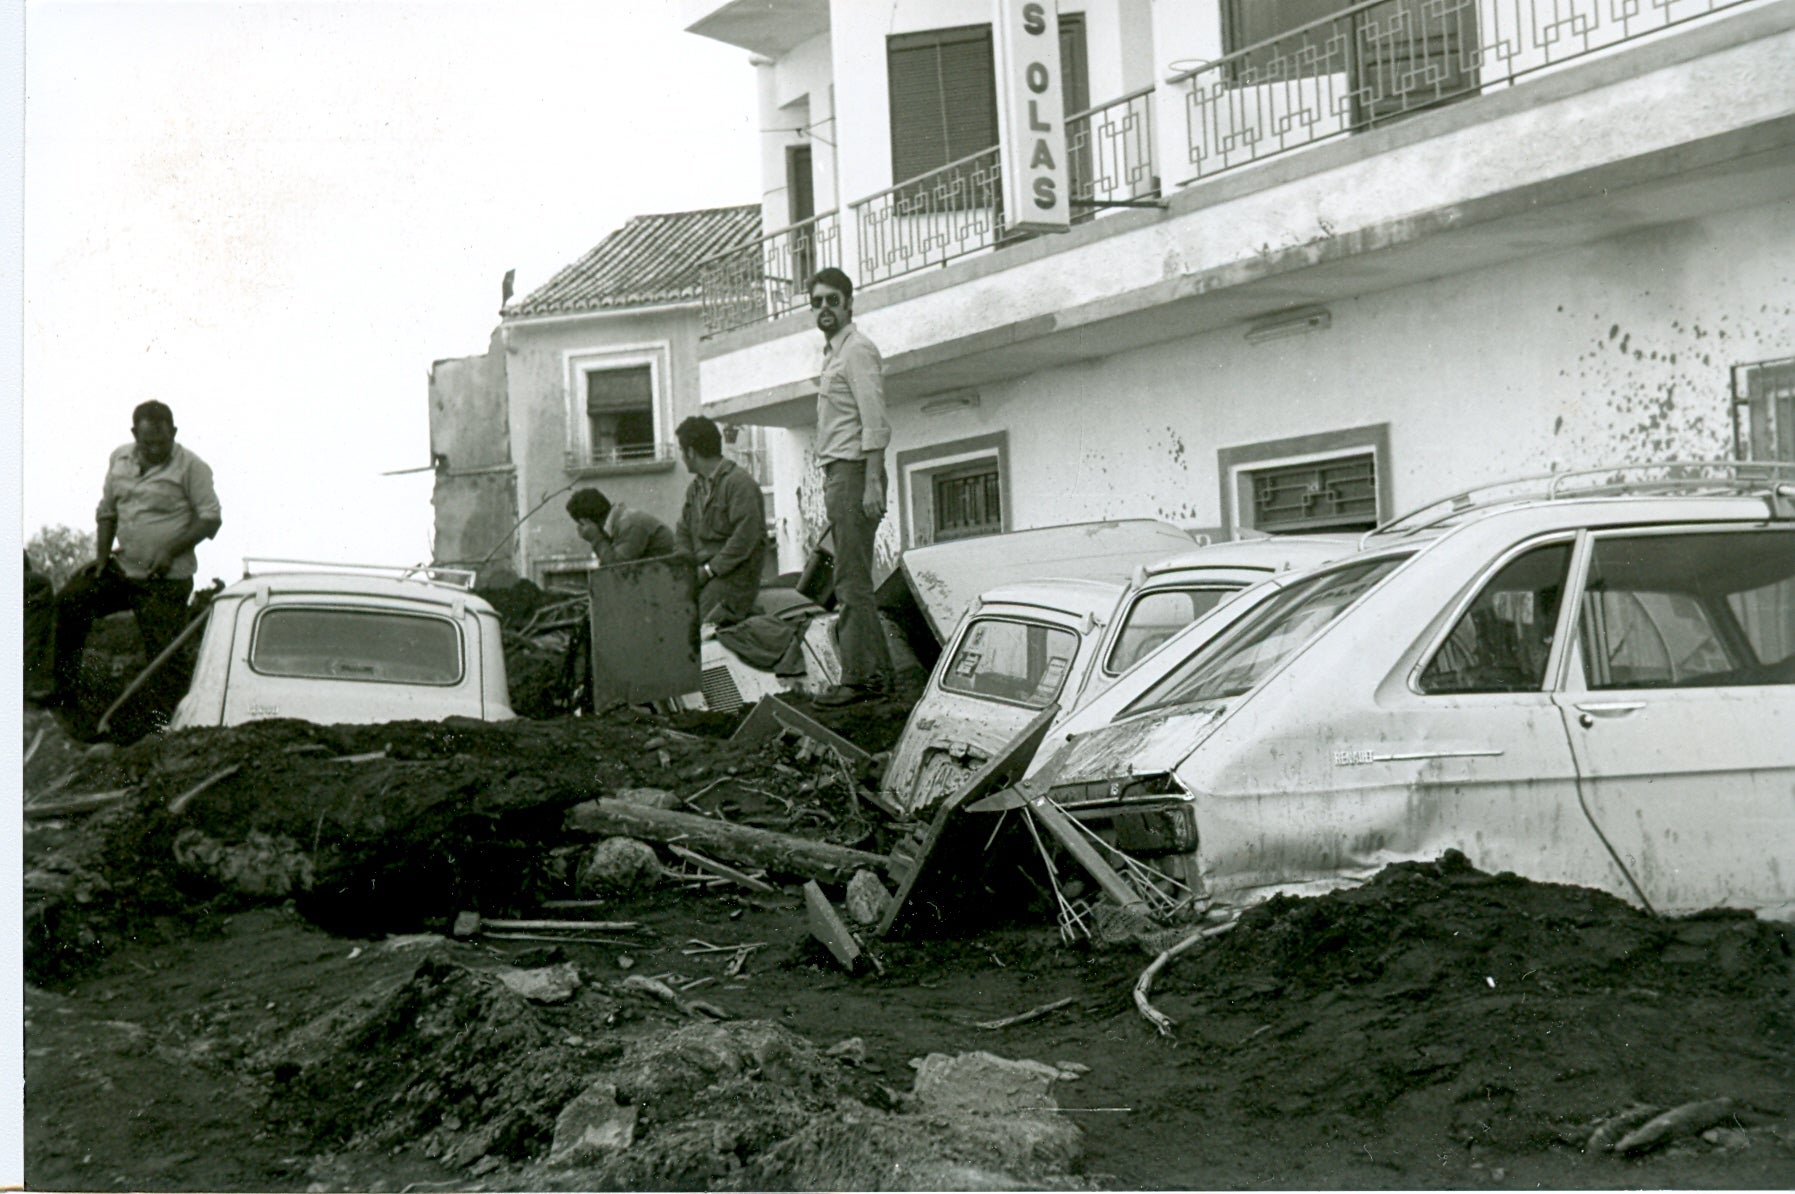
x,y
1679,701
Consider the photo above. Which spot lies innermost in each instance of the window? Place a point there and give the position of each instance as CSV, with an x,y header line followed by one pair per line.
x,y
954,490
620,413
1022,662
1689,610
1329,481
1764,410
616,408
943,90
1264,639
1156,617
1502,641
346,644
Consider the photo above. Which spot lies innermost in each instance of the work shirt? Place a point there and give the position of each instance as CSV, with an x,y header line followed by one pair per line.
x,y
152,507
724,523
850,398
630,534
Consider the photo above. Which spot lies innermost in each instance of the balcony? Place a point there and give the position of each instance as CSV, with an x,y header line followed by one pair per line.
x,y
1379,61
624,458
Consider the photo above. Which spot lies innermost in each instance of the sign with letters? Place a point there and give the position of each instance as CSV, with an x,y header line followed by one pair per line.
x,y
1033,142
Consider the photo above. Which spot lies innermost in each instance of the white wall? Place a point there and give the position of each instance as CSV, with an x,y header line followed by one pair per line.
x,y
1619,351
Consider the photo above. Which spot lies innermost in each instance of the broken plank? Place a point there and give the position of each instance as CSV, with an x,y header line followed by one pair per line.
x,y
600,926
1033,1013
773,714
827,926
1054,818
717,868
947,855
180,802
75,804
780,853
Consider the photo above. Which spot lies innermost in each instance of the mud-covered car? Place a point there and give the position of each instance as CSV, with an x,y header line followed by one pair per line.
x,y
342,646
1056,643
1586,678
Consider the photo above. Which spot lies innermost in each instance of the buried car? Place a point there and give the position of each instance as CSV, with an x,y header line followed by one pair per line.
x,y
1057,643
346,645
1585,679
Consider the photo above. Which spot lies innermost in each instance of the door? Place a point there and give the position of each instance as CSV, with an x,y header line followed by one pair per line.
x,y
644,631
1680,706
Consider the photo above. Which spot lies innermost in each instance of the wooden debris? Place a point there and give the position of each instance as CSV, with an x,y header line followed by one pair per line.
x,y
776,852
828,927
716,868
1619,1124
75,804
1144,984
369,757
1686,1120
772,715
695,1008
180,802
558,938
36,741
1033,1013
569,905
542,926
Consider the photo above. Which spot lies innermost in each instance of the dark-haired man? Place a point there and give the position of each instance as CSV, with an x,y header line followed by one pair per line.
x,y
156,505
723,526
851,435
618,533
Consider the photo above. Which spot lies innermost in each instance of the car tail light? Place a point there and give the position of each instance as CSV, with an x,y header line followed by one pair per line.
x,y
1167,829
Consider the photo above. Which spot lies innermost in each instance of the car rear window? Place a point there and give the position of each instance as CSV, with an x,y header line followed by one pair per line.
x,y
357,644
1265,638
1156,617
1010,660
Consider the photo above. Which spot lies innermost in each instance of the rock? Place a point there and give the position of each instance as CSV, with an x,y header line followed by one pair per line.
x,y
466,924
647,797
867,898
852,1050
550,984
591,1127
620,865
983,1082
262,865
538,956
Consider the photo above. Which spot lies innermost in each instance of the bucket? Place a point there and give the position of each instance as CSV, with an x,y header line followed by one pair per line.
x,y
817,581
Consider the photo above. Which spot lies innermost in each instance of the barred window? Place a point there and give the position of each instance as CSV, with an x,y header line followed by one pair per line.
x,y
1764,410
968,501
1324,495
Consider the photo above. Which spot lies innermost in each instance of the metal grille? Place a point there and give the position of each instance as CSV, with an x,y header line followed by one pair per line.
x,y
621,456
768,277
931,219
1764,410
968,503
1322,495
1109,154
1383,59
720,692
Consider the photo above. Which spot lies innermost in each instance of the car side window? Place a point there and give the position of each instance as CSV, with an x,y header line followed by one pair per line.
x,y
1689,610
1503,639
1156,617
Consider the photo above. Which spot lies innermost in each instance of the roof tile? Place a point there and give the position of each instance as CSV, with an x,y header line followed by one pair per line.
x,y
650,260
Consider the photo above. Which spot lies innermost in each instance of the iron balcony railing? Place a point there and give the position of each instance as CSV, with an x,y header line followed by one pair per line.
x,y
1383,59
768,277
1109,152
623,456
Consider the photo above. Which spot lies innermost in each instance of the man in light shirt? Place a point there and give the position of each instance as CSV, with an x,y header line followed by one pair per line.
x,y
851,436
157,504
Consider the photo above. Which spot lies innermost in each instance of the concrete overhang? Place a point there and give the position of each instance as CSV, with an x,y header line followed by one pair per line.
x,y
1747,165
770,27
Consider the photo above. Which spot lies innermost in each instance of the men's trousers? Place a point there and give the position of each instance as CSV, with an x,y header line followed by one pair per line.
x,y
865,658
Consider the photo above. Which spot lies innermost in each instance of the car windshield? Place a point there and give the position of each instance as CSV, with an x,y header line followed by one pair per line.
x,y
1008,660
357,644
1265,638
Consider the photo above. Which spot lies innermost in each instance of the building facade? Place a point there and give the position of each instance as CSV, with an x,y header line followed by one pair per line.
x,y
583,384
1327,262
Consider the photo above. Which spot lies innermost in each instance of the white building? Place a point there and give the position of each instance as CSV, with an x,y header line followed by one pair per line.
x,y
1374,254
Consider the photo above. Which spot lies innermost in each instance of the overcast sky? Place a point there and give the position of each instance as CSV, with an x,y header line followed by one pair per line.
x,y
274,215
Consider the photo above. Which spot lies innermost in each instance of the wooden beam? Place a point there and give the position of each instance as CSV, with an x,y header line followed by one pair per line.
x,y
777,853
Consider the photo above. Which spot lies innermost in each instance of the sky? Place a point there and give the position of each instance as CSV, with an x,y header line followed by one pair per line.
x,y
275,215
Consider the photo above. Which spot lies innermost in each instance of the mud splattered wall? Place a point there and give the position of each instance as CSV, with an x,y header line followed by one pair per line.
x,y
1616,351
474,498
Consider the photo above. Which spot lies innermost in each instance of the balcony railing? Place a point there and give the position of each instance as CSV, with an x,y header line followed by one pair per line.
x,y
1109,154
930,219
1384,59
626,456
769,277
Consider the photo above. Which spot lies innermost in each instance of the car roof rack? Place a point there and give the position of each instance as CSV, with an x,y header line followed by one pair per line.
x,y
458,578
1772,480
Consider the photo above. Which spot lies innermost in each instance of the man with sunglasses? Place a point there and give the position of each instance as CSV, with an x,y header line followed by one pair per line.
x,y
851,436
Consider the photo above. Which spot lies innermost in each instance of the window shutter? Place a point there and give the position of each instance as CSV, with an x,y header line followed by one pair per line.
x,y
619,389
943,90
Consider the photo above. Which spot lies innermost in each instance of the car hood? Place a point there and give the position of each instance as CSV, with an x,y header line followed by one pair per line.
x,y
1151,744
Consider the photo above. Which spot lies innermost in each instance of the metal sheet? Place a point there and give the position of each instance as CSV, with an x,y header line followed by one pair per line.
x,y
1149,744
644,631
947,578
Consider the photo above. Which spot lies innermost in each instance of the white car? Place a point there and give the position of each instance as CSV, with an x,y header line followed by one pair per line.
x,y
345,647
1586,679
1037,644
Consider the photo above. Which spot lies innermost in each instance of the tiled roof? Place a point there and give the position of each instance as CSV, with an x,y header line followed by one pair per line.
x,y
650,260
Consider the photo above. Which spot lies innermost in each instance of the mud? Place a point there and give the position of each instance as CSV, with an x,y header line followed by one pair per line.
x,y
259,992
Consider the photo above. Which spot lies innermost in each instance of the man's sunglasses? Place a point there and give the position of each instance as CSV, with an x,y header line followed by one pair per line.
x,y
819,301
